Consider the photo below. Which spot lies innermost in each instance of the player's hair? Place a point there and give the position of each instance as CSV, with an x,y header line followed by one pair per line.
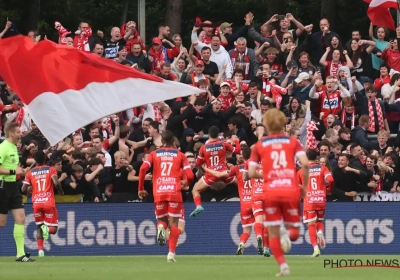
x,y
40,157
311,154
10,128
167,138
213,132
123,131
274,120
246,153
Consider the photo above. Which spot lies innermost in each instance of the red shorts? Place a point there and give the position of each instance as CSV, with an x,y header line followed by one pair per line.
x,y
168,208
258,207
277,211
313,215
246,216
209,179
46,215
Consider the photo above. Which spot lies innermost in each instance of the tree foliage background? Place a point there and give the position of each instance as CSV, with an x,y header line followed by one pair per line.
x,y
344,15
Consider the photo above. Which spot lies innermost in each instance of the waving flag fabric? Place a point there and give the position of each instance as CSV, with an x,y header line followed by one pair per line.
x,y
379,13
66,89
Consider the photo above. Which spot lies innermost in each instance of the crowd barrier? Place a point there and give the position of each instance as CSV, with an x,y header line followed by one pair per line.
x,y
130,229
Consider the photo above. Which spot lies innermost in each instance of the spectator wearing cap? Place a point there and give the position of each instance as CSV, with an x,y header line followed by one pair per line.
x,y
218,53
122,55
287,79
198,74
304,84
226,30
205,35
111,47
258,114
337,125
226,96
244,58
21,117
158,54
139,57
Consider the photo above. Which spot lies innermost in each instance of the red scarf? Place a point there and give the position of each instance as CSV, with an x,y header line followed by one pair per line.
x,y
20,117
311,141
241,61
83,39
62,33
344,117
270,89
334,69
371,115
158,59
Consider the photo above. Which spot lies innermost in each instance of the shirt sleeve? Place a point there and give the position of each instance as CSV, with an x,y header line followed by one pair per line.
x,y
3,155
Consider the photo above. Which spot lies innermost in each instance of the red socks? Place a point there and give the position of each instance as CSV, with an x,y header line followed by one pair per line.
x,y
265,238
258,228
275,244
173,239
40,244
52,230
197,200
163,224
293,234
313,234
244,237
319,226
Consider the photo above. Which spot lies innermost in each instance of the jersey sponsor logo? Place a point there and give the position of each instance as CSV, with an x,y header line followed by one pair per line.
x,y
166,180
316,193
316,199
331,103
281,182
41,199
40,172
42,194
164,153
274,141
315,169
214,147
166,188
246,198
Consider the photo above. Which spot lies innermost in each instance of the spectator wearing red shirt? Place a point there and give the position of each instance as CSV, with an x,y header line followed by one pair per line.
x,y
226,97
384,77
158,54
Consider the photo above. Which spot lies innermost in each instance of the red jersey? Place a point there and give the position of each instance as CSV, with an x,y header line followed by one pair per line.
x,y
330,103
42,185
232,85
316,188
213,154
167,164
244,187
257,187
277,154
226,101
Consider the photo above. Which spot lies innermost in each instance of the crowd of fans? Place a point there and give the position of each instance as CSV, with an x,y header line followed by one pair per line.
x,y
333,93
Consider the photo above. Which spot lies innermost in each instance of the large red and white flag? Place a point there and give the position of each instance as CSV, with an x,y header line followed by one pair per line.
x,y
66,89
379,13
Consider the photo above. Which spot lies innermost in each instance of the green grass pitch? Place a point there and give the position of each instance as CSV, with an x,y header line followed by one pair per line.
x,y
187,268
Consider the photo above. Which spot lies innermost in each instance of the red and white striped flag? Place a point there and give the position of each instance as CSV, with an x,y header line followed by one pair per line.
x,y
66,89
379,13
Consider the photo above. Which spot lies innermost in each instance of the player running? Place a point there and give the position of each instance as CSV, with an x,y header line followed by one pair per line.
x,y
213,154
315,200
244,188
277,152
258,206
167,164
40,181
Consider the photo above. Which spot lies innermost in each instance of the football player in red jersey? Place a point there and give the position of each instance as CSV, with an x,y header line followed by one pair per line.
x,y
315,200
213,154
40,181
282,193
258,206
167,163
244,188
